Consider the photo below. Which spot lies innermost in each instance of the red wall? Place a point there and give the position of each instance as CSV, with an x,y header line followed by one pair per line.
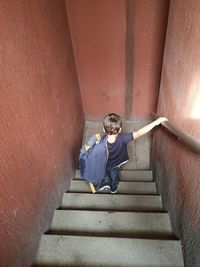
x,y
98,33
149,23
41,122
118,48
176,167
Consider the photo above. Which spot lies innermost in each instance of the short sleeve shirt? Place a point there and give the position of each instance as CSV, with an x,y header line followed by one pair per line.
x,y
118,150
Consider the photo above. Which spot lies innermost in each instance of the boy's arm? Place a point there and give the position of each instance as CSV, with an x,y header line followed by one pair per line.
x,y
148,127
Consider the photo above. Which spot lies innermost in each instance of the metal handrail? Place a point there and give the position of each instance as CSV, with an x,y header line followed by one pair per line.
x,y
190,141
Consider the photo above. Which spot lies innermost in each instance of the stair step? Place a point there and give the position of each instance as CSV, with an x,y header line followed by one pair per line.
x,y
123,188
129,175
106,223
111,202
56,250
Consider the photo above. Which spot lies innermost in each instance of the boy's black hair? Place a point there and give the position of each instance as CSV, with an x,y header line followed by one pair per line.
x,y
112,123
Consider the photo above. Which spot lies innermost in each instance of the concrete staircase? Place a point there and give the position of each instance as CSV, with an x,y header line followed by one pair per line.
x,y
124,229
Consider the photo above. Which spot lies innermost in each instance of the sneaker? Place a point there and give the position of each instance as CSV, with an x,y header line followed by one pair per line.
x,y
105,188
113,191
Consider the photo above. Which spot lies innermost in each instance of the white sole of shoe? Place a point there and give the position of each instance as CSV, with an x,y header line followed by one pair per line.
x,y
106,187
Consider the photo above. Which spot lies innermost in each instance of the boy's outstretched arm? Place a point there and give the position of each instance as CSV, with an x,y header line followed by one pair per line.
x,y
148,127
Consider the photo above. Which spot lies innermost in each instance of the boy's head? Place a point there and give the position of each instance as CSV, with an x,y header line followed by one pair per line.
x,y
112,123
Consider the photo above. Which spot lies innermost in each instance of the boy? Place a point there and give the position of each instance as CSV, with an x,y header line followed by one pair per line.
x,y
101,158
117,148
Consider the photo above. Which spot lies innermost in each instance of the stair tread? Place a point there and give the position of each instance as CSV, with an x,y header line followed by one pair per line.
x,y
111,202
123,188
103,251
111,223
103,229
129,175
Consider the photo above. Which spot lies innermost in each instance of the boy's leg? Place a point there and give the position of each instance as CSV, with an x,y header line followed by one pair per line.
x,y
114,178
105,184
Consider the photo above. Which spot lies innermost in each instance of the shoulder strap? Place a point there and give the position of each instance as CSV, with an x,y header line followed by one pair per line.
x,y
95,139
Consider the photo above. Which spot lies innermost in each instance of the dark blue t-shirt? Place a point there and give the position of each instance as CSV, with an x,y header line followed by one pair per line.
x,y
118,150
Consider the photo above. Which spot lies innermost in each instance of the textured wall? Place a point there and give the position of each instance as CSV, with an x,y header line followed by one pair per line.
x,y
98,33
118,47
176,167
41,122
148,24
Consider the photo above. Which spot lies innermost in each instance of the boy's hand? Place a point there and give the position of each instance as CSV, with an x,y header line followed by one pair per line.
x,y
161,119
148,127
